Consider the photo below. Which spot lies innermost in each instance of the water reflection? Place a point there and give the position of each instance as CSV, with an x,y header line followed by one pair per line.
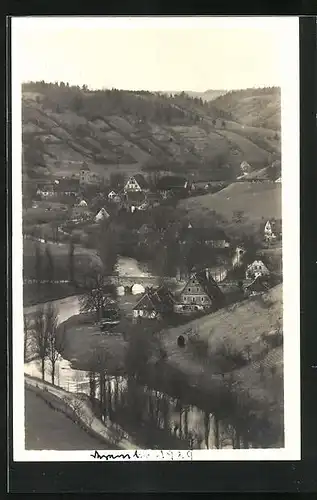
x,y
153,417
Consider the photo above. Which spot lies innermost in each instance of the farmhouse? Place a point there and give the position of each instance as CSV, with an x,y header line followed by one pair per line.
x,y
272,230
257,268
154,304
245,168
102,215
115,197
200,293
136,183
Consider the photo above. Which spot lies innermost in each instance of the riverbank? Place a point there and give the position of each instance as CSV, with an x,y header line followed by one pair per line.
x,y
48,427
79,410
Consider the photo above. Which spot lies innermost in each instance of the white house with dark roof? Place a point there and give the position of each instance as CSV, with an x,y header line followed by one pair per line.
x,y
154,304
272,230
200,293
102,215
136,183
257,268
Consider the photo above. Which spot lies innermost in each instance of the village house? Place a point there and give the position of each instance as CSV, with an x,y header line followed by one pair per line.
x,y
272,230
154,304
245,168
200,293
102,215
88,178
114,197
82,203
257,268
136,183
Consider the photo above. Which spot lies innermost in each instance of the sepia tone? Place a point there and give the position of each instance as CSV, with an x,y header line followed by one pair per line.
x,y
152,266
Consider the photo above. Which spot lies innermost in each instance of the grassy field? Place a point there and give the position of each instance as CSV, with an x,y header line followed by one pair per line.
x,y
48,429
257,201
253,107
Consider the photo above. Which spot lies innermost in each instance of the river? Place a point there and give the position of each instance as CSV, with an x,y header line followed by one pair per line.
x,y
75,380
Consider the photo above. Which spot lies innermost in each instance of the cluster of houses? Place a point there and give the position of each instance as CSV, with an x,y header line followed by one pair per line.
x,y
201,293
135,195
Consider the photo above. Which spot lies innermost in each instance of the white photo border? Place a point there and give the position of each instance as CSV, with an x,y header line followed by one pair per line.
x,y
288,28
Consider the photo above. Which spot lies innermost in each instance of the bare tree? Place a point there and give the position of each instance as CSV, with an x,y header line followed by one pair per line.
x,y
41,337
27,325
99,295
56,339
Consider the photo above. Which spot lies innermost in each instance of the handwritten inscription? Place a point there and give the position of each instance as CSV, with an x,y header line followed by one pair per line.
x,y
144,455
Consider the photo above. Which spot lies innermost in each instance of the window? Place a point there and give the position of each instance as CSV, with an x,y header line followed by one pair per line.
x,y
189,289
185,299
202,299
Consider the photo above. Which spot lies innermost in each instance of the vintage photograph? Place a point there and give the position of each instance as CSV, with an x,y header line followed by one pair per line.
x,y
152,236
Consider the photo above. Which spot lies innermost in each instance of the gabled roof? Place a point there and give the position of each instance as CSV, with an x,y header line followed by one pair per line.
x,y
258,285
207,283
159,300
140,180
260,259
102,214
276,225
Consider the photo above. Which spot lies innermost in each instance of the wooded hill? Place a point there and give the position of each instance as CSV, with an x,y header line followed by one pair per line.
x,y
131,131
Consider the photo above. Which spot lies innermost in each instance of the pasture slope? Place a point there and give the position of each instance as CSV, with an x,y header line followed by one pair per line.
x,y
253,107
258,201
240,327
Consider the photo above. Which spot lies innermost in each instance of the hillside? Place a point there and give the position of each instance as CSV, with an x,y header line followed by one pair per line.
x,y
127,131
250,328
253,107
255,202
239,325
